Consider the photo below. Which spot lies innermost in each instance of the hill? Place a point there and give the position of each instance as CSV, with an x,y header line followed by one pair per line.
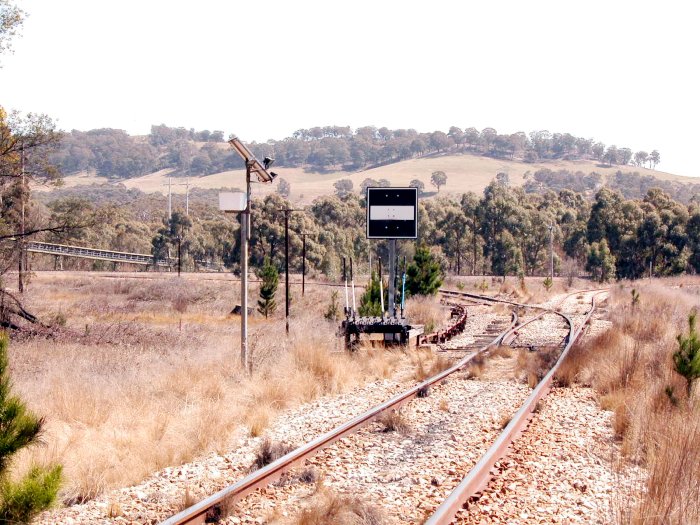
x,y
465,172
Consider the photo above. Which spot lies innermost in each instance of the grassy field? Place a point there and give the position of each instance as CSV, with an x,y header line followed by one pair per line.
x,y
464,173
144,372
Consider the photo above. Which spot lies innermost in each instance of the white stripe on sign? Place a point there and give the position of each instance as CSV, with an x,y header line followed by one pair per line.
x,y
392,213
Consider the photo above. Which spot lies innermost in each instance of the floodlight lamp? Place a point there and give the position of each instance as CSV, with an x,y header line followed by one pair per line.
x,y
241,149
273,175
268,161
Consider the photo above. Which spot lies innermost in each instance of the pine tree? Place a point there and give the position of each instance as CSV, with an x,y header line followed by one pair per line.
x,y
268,288
687,359
19,428
370,302
423,276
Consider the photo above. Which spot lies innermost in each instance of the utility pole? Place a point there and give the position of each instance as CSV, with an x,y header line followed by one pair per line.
x,y
303,261
245,218
187,197
286,271
551,252
170,198
179,254
286,212
22,253
186,184
242,204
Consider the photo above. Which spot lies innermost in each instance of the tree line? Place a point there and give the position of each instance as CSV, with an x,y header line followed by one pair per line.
x,y
115,154
631,184
505,231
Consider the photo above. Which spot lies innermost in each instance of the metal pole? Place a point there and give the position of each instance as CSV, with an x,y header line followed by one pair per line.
x,y
392,278
245,218
381,287
170,198
187,197
286,269
369,271
352,282
403,287
179,255
20,283
303,263
551,252
347,300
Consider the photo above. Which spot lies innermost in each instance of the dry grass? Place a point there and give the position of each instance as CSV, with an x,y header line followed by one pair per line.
x,y
329,508
428,364
269,452
138,394
532,366
476,367
426,311
631,369
502,351
395,421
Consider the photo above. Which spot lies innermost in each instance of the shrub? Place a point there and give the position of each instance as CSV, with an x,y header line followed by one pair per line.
x,y
333,310
268,288
548,283
395,421
19,428
269,452
423,276
687,359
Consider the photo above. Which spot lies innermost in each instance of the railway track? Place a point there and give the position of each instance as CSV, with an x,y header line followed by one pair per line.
x,y
478,477
213,507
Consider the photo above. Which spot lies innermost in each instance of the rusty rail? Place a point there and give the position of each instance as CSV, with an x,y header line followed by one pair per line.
x,y
479,475
445,335
266,475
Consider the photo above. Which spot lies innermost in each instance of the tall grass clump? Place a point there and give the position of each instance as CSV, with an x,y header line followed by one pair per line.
x,y
643,369
339,509
426,310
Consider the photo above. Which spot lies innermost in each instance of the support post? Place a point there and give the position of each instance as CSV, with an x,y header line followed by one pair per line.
x,y
187,198
170,198
179,255
286,269
303,263
22,251
551,252
392,278
245,223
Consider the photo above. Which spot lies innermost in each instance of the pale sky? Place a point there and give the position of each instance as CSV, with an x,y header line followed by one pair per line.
x,y
622,72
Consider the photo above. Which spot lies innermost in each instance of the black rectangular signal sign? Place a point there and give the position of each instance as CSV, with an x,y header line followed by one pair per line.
x,y
392,213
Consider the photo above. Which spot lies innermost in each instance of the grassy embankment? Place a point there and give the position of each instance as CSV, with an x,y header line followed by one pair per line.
x,y
631,369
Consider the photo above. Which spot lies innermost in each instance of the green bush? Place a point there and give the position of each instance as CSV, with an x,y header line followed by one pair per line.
x,y
423,276
548,283
687,359
268,288
19,428
370,302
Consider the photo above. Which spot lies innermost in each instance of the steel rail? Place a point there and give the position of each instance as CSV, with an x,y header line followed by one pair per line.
x,y
266,475
479,475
